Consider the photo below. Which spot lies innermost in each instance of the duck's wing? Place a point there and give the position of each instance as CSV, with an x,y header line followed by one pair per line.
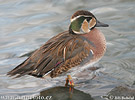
x,y
58,55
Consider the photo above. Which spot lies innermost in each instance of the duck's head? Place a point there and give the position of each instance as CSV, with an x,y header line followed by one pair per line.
x,y
83,22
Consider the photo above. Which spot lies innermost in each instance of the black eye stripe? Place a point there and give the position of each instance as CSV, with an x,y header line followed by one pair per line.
x,y
88,18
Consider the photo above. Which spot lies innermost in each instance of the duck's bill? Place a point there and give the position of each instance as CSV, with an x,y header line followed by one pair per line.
x,y
100,24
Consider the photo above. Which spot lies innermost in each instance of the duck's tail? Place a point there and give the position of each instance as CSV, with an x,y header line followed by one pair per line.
x,y
21,70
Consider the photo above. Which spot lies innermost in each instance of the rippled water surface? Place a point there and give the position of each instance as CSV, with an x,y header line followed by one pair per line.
x,y
27,24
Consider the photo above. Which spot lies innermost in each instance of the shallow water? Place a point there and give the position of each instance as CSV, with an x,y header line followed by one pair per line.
x,y
27,24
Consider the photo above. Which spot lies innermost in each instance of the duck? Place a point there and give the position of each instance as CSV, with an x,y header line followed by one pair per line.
x,y
82,44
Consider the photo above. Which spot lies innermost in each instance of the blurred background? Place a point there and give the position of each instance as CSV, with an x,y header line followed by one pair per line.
x,y
25,25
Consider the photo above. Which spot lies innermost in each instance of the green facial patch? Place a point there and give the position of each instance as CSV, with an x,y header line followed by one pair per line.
x,y
76,24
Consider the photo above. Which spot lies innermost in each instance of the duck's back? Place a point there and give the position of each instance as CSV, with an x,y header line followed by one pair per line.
x,y
59,54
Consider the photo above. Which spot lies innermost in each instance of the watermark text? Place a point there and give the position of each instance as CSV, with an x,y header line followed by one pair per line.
x,y
25,97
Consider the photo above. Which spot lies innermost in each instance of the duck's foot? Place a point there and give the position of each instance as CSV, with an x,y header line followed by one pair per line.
x,y
69,83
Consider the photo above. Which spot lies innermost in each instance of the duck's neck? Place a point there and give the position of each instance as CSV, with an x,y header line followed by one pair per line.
x,y
98,39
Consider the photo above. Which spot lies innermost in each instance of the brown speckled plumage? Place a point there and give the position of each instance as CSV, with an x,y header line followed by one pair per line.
x,y
62,52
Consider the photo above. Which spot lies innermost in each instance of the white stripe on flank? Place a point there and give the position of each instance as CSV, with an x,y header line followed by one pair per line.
x,y
48,72
92,52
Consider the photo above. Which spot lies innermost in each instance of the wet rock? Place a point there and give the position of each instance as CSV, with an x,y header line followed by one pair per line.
x,y
134,83
62,93
121,93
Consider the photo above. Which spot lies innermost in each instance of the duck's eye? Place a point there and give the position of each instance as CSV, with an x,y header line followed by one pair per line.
x,y
88,19
92,22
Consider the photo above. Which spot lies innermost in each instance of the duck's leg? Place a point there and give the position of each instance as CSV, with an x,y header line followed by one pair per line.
x,y
67,81
70,83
